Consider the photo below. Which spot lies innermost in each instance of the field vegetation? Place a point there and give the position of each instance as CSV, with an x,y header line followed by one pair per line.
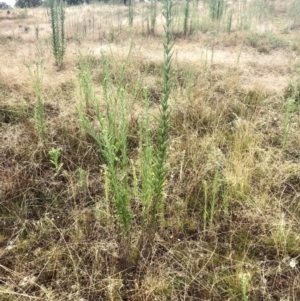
x,y
150,151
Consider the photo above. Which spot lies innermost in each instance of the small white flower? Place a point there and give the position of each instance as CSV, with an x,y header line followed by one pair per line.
x,y
27,281
293,263
10,247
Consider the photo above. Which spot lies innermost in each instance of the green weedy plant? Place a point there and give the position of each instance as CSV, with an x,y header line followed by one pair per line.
x,y
160,170
57,18
23,14
54,154
85,84
295,13
112,139
289,106
111,34
113,120
194,17
153,170
216,8
213,47
263,10
189,76
146,161
244,279
215,189
82,177
130,12
152,14
39,115
37,31
186,17
205,213
229,22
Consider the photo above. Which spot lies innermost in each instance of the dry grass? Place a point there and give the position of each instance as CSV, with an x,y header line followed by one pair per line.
x,y
58,240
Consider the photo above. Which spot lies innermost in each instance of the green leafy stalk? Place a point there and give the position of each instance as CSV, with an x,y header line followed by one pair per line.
x,y
39,114
85,84
152,15
186,17
130,12
57,19
153,168
160,170
229,22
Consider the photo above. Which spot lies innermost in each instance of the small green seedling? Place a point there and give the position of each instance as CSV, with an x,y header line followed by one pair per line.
x,y
54,154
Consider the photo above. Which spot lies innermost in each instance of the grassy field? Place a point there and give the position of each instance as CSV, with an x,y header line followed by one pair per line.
x,y
159,160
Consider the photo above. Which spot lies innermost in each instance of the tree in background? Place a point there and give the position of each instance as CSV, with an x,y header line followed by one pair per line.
x,y
28,3
77,2
3,5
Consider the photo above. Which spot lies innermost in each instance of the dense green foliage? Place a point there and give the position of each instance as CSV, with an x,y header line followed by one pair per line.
x,y
3,5
28,3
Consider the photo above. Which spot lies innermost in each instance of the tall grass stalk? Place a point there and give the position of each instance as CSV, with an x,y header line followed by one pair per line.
x,y
57,18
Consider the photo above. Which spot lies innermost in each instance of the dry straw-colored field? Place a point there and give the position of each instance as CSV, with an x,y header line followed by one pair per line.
x,y
227,223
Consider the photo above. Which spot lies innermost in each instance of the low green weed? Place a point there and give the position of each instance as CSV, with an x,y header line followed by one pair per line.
x,y
54,154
